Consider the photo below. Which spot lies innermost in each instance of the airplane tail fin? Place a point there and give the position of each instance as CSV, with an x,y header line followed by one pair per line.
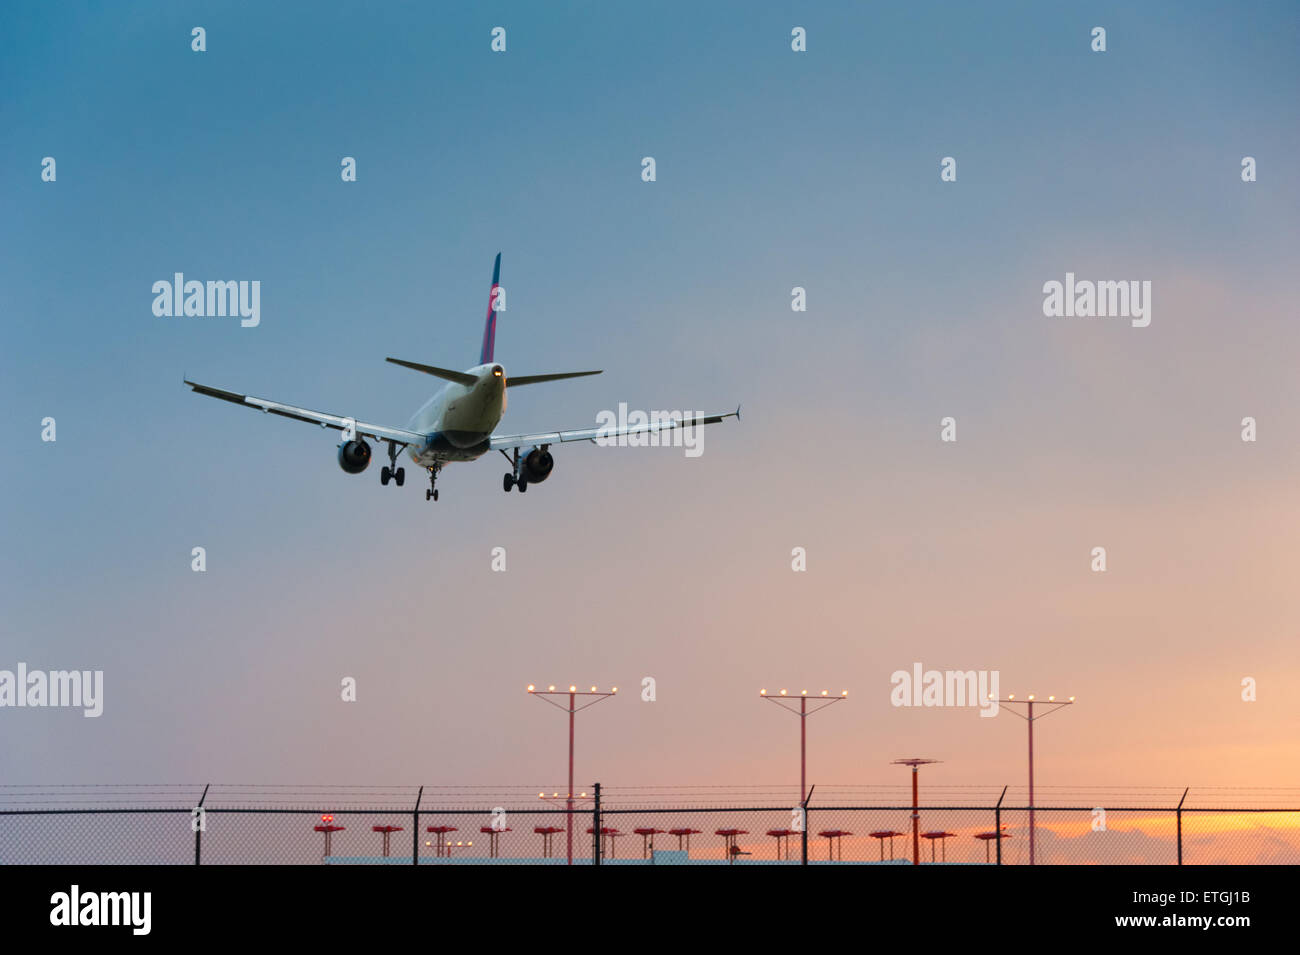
x,y
490,327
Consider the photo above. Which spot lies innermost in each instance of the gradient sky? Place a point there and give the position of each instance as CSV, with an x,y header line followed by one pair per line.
x,y
775,169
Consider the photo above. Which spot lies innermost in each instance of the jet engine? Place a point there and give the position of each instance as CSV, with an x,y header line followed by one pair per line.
x,y
354,456
536,466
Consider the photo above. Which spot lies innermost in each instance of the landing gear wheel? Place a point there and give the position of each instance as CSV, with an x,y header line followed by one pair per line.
x,y
428,494
392,472
507,482
435,495
522,485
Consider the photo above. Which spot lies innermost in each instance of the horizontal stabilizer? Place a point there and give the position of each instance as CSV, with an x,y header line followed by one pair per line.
x,y
512,380
445,373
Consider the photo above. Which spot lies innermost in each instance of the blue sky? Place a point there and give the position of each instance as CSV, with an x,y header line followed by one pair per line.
x,y
775,169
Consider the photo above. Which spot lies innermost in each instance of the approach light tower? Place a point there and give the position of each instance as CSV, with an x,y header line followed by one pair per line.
x,y
916,762
327,826
1029,718
572,709
803,713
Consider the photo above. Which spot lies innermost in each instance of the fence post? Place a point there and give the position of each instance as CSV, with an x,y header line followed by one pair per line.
x,y
997,823
198,832
803,836
1179,815
415,828
595,828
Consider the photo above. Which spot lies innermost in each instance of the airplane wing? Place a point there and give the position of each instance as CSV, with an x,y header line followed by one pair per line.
x,y
378,432
506,441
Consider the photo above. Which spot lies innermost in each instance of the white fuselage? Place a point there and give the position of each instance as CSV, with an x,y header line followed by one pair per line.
x,y
458,421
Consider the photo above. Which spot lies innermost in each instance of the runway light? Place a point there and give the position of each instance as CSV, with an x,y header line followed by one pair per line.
x,y
823,692
1071,699
573,689
593,689
551,688
803,692
783,692
613,689
990,696
1051,699
844,692
1011,696
531,688
762,692
1031,696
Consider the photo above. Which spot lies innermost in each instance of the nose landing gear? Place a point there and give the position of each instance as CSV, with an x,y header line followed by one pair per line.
x,y
432,492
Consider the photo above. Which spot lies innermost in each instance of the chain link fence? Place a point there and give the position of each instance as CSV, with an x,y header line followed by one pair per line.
x,y
370,827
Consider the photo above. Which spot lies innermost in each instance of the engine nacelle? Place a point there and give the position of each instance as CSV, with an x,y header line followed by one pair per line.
x,y
354,456
536,466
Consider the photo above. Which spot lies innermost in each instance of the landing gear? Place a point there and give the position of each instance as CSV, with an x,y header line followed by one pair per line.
x,y
432,492
513,478
392,472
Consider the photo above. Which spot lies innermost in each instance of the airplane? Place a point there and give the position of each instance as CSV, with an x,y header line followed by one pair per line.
x,y
456,424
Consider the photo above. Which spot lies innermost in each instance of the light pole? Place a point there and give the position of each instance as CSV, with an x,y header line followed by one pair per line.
x,y
803,713
1029,718
942,836
572,709
916,763
572,803
327,826
387,831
